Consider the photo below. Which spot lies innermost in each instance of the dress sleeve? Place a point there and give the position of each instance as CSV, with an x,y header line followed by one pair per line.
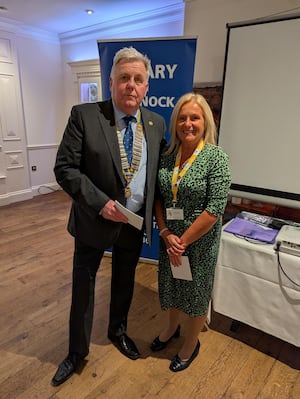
x,y
219,180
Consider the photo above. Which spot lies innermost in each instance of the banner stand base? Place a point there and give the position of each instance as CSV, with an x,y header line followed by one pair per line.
x,y
145,260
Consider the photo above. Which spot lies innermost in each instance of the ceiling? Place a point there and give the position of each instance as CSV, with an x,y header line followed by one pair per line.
x,y
60,16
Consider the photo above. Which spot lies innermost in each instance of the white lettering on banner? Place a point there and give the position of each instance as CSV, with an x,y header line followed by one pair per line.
x,y
164,102
163,71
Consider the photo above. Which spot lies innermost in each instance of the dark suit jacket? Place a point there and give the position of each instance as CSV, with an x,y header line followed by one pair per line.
x,y
88,168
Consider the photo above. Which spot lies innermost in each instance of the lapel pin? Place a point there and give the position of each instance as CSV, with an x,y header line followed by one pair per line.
x,y
150,123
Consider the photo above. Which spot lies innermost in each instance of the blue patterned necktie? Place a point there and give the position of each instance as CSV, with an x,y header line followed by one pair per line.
x,y
128,137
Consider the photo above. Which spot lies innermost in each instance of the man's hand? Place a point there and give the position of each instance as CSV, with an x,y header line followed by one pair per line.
x,y
110,212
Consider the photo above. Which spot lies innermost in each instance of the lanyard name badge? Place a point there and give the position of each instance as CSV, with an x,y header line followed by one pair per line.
x,y
177,213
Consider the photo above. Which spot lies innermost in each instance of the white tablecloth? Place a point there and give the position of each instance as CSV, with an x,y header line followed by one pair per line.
x,y
249,287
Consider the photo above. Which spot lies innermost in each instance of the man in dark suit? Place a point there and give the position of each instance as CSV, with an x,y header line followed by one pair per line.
x,y
93,168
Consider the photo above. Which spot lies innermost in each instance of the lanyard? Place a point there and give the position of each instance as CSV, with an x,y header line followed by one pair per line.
x,y
178,176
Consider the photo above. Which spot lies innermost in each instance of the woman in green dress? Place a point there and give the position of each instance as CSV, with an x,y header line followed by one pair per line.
x,y
193,185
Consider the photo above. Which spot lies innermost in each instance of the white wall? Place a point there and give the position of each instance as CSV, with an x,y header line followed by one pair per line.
x,y
41,77
42,92
207,20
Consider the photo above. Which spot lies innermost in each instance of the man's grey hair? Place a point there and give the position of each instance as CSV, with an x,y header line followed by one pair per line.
x,y
130,54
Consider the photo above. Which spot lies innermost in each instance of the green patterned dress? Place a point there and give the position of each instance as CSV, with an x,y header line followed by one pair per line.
x,y
205,186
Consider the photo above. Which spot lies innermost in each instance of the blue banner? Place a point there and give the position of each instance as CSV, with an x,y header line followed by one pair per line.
x,y
172,74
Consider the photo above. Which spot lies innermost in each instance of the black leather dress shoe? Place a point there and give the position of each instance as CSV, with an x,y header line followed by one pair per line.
x,y
177,364
66,369
158,345
125,345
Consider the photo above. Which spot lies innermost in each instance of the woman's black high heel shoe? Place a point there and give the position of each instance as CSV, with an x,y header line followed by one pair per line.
x,y
177,364
158,345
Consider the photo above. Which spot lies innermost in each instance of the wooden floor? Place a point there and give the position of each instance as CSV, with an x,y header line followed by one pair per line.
x,y
35,288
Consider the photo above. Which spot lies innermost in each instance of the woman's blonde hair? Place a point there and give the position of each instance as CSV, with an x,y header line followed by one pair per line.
x,y
209,125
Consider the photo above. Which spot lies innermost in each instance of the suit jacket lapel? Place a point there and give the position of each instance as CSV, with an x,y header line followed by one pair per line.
x,y
148,125
107,121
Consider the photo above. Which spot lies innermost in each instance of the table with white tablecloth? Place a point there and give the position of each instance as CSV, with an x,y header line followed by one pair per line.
x,y
251,288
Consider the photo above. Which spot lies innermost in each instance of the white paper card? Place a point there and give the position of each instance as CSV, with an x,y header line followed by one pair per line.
x,y
182,272
174,214
133,219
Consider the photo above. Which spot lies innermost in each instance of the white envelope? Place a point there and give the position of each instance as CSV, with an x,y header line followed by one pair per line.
x,y
182,272
133,219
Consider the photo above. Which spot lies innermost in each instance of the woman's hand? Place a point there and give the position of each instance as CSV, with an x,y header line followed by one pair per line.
x,y
175,260
174,244
175,248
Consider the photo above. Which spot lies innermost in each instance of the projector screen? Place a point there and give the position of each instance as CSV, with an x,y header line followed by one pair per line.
x,y
260,113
